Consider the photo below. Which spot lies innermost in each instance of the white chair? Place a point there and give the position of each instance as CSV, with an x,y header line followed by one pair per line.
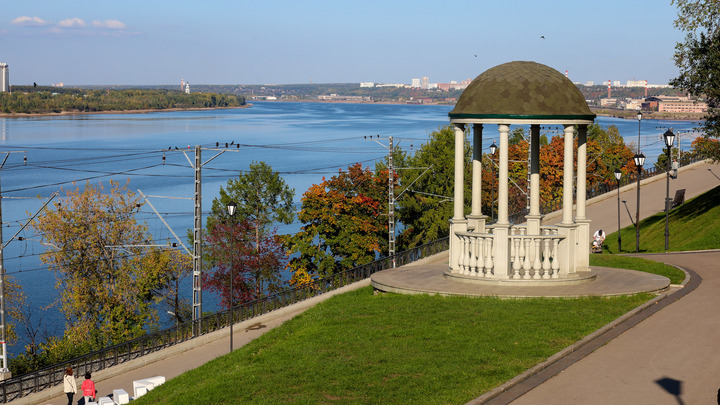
x,y
120,396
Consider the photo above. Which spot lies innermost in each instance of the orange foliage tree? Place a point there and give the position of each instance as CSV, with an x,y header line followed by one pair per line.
x,y
343,225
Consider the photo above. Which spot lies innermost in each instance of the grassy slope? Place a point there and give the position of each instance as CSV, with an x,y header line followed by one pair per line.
x,y
694,225
389,348
362,348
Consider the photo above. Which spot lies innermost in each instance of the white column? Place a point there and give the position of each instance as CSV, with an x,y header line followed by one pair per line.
x,y
567,217
503,175
582,256
458,222
477,170
581,171
459,195
501,230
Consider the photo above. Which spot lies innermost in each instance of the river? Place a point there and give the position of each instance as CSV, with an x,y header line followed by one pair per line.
x,y
303,141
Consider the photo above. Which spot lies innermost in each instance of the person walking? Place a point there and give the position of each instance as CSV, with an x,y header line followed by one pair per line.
x,y
88,388
70,385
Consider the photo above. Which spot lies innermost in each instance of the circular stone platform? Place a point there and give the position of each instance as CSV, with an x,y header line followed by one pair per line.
x,y
428,277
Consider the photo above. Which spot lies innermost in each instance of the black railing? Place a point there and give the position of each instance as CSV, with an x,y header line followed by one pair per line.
x,y
598,189
36,381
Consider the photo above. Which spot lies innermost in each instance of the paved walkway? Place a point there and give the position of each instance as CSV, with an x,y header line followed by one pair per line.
x,y
428,278
672,357
680,346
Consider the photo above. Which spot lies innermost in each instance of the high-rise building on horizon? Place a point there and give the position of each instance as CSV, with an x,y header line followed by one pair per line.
x,y
4,77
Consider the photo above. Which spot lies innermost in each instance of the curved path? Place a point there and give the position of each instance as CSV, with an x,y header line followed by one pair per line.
x,y
672,357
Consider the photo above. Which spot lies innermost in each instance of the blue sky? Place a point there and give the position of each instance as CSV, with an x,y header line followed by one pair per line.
x,y
319,41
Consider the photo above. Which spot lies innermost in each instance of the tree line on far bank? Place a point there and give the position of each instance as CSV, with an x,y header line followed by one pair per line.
x,y
30,100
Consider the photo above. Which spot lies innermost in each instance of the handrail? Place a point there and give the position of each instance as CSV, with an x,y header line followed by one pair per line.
x,y
36,381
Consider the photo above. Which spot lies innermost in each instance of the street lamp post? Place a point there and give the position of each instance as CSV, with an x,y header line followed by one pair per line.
x,y
231,208
669,139
493,149
639,161
618,174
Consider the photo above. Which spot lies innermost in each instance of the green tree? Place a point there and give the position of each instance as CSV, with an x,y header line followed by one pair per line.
x,y
262,197
698,57
426,207
343,225
107,287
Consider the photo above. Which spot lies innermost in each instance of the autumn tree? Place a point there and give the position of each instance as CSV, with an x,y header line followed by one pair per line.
x,y
107,284
343,225
255,265
263,200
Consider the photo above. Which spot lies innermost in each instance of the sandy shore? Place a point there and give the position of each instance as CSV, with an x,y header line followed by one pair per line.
x,y
64,113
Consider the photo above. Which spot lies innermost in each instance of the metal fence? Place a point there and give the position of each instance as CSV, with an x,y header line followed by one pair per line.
x,y
599,189
23,385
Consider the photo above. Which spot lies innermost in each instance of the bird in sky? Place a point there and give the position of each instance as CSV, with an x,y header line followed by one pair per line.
x,y
542,36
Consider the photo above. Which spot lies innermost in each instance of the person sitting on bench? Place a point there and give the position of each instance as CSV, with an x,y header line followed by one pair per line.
x,y
598,239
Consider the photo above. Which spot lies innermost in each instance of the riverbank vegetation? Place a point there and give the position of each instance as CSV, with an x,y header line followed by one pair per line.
x,y
30,100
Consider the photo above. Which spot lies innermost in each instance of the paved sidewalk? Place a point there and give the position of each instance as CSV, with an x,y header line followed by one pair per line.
x,y
673,357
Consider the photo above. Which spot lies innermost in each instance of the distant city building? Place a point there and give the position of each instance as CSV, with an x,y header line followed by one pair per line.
x,y
187,88
631,103
636,83
184,86
335,97
425,84
608,102
398,85
4,77
616,83
589,83
682,106
61,84
415,83
367,84
674,104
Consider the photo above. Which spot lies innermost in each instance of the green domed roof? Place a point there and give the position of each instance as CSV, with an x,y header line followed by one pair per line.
x,y
521,90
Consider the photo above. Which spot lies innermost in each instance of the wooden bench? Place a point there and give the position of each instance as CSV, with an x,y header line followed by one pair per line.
x,y
679,198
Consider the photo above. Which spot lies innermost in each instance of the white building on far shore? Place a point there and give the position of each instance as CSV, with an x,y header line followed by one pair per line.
x,y
4,77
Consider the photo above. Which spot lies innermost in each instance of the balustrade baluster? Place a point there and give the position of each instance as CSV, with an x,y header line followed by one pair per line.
x,y
526,264
555,263
537,265
489,264
546,255
473,255
516,263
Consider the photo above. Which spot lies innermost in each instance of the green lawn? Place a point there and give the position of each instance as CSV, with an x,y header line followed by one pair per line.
x,y
417,349
694,225
370,349
675,275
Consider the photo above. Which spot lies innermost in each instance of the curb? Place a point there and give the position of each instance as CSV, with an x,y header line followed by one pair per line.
x,y
540,373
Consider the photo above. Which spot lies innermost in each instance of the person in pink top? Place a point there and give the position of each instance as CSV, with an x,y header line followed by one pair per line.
x,y
88,388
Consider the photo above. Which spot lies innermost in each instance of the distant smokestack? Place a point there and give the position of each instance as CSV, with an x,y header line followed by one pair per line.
x,y
566,73
609,92
645,88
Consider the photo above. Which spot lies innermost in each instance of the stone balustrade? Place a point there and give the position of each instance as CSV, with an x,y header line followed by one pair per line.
x,y
531,257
